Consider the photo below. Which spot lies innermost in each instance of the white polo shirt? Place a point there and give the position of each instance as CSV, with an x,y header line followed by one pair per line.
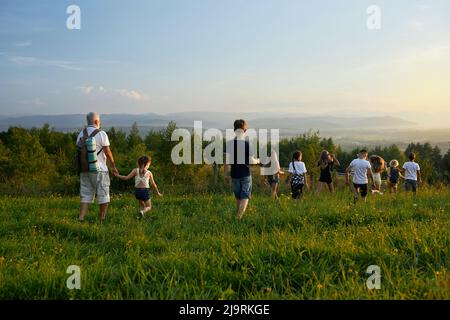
x,y
101,140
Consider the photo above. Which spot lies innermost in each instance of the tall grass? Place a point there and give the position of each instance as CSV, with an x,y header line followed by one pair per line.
x,y
192,247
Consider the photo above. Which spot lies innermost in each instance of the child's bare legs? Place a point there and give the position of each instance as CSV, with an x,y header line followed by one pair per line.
x,y
147,206
274,190
141,205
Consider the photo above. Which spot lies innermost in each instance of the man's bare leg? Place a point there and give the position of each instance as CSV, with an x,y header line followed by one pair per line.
x,y
242,207
83,210
103,211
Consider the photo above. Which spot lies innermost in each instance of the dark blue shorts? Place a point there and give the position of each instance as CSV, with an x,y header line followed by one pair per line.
x,y
242,187
142,194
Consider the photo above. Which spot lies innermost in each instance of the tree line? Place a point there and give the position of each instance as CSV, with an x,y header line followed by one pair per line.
x,y
43,160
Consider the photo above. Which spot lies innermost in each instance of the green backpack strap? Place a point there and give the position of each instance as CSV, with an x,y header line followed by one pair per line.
x,y
93,134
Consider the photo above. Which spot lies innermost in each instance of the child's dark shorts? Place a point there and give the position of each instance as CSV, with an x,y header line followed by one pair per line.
x,y
142,194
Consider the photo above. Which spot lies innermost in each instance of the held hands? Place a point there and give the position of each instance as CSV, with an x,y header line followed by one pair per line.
x,y
114,171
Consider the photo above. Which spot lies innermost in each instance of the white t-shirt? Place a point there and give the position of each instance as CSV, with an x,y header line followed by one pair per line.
x,y
101,139
359,170
300,167
411,169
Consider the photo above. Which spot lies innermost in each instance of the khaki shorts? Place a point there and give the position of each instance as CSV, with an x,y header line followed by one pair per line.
x,y
94,185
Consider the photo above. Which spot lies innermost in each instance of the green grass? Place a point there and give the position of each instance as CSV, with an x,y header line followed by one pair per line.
x,y
193,248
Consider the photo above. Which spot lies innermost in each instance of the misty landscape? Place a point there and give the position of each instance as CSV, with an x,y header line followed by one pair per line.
x,y
349,132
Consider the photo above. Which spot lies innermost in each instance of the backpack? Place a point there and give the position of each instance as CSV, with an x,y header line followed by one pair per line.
x,y
393,175
297,179
86,152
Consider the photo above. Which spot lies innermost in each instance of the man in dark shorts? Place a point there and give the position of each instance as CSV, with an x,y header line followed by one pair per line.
x,y
360,170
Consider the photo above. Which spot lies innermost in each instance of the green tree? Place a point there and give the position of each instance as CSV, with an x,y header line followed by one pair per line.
x,y
134,137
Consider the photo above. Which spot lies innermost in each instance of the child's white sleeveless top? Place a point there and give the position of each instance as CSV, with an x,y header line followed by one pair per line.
x,y
142,179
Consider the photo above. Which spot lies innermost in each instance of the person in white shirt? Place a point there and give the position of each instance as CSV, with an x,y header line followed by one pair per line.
x,y
274,179
411,170
96,184
360,170
297,175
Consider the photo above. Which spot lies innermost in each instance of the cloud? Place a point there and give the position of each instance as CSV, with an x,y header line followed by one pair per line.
x,y
32,61
125,93
132,94
35,102
86,89
22,44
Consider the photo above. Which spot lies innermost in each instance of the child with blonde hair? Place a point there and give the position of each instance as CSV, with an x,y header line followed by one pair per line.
x,y
394,176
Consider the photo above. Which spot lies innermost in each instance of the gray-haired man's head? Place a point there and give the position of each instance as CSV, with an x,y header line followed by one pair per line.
x,y
93,119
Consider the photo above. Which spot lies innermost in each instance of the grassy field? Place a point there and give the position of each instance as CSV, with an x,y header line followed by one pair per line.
x,y
193,248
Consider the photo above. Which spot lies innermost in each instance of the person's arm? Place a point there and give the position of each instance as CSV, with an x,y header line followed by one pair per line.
x,y
419,176
370,175
154,186
336,161
110,158
347,174
128,177
306,180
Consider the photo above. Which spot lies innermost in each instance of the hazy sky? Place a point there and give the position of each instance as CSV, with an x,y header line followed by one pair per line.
x,y
224,55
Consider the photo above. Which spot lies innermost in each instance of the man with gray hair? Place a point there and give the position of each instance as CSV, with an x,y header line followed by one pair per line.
x,y
96,184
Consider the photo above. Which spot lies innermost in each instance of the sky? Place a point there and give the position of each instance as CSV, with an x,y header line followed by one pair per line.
x,y
274,56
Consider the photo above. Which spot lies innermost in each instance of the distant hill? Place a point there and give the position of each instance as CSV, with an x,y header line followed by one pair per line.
x,y
220,120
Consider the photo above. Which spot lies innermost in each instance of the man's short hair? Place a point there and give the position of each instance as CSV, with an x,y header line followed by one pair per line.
x,y
363,151
411,156
91,116
239,124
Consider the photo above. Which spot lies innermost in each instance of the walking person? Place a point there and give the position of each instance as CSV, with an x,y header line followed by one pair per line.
x,y
326,163
239,157
378,167
360,169
273,180
394,176
93,153
297,175
143,178
411,170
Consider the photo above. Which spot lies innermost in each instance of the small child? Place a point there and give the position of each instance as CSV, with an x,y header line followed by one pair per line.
x,y
297,175
394,176
142,179
411,169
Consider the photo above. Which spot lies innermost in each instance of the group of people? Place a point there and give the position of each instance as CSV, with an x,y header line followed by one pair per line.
x,y
237,166
362,169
